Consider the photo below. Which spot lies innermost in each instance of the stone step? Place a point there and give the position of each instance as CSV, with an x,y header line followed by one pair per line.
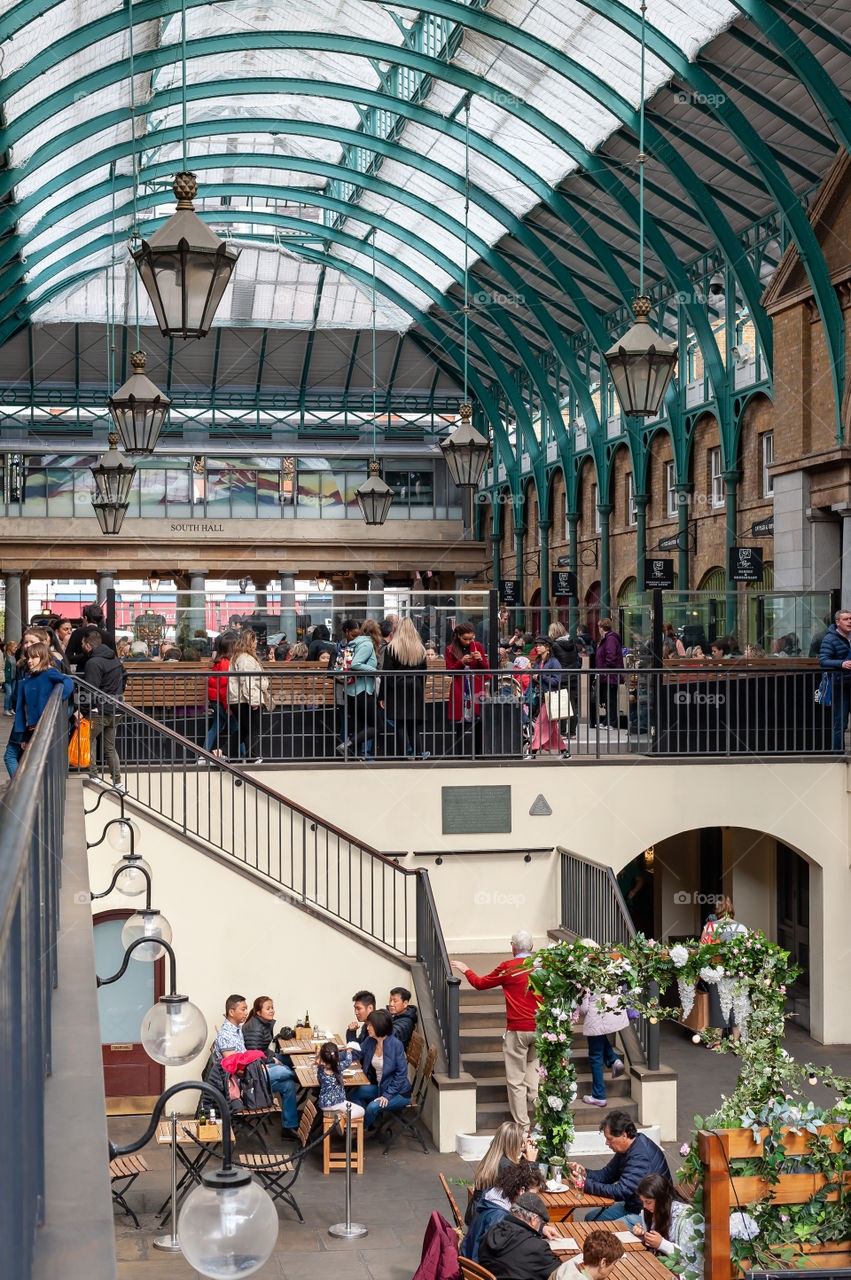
x,y
492,1088
489,1115
479,1013
490,1063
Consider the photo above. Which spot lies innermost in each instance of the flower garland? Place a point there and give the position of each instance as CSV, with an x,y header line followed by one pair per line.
x,y
748,969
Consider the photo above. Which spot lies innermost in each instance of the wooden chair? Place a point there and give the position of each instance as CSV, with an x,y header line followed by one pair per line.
x,y
278,1173
407,1118
129,1168
414,1051
474,1270
459,1221
336,1159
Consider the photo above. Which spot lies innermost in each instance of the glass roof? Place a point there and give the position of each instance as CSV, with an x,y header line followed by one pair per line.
x,y
61,202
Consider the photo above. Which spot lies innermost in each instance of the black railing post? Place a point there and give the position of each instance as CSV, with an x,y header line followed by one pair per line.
x,y
452,1029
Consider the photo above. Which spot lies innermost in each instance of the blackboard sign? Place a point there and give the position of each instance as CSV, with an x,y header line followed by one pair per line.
x,y
510,592
763,528
745,564
562,583
658,575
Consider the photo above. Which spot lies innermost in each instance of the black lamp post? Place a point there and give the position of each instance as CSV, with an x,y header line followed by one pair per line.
x,y
185,267
641,365
113,478
466,451
139,410
228,1223
174,1031
374,496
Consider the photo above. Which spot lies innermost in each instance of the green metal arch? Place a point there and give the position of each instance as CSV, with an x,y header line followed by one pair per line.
x,y
64,143
431,66
301,128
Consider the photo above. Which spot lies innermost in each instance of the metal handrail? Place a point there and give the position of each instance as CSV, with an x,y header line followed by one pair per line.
x,y
33,808
360,887
599,911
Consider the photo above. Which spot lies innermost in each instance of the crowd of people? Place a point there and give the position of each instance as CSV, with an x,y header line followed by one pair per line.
x,y
377,1040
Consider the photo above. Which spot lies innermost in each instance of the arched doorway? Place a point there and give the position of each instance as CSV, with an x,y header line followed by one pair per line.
x,y
592,611
127,1070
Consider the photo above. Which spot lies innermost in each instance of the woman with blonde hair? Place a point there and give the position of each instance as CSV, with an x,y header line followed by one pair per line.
x,y
509,1145
248,694
403,694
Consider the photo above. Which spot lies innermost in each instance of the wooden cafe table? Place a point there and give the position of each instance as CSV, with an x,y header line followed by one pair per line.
x,y
304,1046
563,1204
637,1262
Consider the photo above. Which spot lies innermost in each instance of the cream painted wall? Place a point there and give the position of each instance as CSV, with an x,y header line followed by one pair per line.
x,y
232,936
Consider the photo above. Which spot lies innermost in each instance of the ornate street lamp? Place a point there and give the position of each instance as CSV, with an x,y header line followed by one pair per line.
x,y
113,478
185,267
374,496
139,410
466,451
641,365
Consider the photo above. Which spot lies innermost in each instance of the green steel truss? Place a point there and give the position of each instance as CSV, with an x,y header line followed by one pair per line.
x,y
551,298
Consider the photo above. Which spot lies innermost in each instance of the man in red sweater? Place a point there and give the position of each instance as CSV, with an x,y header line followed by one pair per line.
x,y
518,1043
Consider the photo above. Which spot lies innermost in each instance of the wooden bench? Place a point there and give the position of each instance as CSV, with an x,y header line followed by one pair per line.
x,y
723,1192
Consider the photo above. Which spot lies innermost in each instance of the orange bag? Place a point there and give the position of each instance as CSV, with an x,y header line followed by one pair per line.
x,y
79,748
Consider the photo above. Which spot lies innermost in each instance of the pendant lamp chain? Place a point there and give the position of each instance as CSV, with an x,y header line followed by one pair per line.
x,y
374,378
641,363
466,245
183,82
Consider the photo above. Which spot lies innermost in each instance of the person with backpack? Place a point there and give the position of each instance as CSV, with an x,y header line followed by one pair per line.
x,y
105,673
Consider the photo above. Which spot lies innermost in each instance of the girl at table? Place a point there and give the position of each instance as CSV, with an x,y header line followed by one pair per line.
x,y
330,1065
385,1066
667,1227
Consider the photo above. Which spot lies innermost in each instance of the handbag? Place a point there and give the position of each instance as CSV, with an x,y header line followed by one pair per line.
x,y
80,746
823,692
469,714
558,704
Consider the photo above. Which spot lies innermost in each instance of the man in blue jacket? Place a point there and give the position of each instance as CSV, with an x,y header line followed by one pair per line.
x,y
635,1155
835,656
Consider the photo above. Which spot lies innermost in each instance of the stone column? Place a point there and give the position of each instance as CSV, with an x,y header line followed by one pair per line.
x,y
105,582
196,612
14,619
288,613
605,509
375,597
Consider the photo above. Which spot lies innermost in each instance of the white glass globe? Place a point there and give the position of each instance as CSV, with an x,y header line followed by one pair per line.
x,y
131,882
118,835
174,1031
146,924
228,1232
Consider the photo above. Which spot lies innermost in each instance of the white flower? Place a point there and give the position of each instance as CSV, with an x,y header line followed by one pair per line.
x,y
712,975
555,1103
679,956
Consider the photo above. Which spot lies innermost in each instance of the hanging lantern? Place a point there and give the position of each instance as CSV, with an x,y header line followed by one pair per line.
x,y
139,410
374,497
185,267
641,365
113,478
466,451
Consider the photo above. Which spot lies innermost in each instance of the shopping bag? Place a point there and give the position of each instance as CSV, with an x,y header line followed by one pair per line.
x,y
558,705
79,748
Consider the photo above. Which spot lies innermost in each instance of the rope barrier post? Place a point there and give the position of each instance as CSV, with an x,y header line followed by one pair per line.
x,y
170,1243
348,1230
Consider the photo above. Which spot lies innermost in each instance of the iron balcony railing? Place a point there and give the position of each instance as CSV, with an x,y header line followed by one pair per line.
x,y
317,863
592,906
33,808
307,713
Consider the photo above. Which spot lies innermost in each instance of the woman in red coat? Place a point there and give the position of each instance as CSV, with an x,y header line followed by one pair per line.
x,y
466,657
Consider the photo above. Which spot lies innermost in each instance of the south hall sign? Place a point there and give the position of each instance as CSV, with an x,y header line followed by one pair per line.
x,y
196,526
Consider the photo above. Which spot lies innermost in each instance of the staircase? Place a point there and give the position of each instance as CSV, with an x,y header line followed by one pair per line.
x,y
482,1023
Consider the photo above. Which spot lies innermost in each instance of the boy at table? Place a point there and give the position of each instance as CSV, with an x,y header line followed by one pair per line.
x,y
600,1252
